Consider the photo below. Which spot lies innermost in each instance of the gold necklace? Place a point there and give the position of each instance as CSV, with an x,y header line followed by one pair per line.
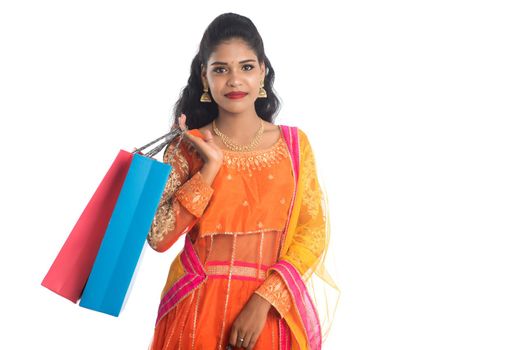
x,y
236,147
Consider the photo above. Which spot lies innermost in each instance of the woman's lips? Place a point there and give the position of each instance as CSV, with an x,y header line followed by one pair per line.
x,y
236,95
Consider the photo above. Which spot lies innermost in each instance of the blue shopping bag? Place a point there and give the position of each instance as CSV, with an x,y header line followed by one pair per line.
x,y
108,285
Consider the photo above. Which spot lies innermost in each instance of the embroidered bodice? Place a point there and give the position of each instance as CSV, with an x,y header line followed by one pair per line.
x,y
252,193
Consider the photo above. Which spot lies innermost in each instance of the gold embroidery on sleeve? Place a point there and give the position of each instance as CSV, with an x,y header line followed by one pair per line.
x,y
274,290
164,220
195,194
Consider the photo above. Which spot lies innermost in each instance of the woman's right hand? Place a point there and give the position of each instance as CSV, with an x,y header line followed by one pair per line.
x,y
208,149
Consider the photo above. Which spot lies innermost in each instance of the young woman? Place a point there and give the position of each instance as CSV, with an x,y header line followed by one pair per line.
x,y
246,194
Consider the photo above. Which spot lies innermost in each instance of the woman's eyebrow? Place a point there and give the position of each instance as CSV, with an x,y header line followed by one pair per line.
x,y
244,61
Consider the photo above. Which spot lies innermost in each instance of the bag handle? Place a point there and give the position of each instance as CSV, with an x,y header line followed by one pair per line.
x,y
169,137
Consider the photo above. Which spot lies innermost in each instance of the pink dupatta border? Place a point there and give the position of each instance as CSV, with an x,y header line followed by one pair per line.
x,y
284,336
194,276
291,138
303,302
287,271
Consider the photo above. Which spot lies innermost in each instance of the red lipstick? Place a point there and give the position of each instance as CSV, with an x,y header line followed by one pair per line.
x,y
236,94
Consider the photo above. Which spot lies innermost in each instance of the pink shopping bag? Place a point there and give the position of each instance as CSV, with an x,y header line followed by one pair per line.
x,y
70,270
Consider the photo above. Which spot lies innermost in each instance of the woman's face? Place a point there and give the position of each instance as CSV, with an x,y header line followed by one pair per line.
x,y
233,66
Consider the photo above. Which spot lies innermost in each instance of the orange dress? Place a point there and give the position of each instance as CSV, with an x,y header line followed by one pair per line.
x,y
235,226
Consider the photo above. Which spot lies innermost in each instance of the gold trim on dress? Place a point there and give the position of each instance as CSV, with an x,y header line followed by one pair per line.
x,y
236,271
203,234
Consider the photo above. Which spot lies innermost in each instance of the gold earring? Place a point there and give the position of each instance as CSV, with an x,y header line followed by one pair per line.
x,y
205,96
262,92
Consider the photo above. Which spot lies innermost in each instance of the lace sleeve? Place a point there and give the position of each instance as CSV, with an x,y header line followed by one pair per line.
x,y
310,236
175,216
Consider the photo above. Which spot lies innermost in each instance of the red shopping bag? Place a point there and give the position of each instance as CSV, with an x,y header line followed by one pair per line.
x,y
71,268
70,271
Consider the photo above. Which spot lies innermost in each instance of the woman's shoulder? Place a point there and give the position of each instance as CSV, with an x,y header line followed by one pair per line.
x,y
300,131
301,134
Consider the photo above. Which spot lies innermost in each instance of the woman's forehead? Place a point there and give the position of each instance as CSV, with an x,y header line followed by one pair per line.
x,y
232,52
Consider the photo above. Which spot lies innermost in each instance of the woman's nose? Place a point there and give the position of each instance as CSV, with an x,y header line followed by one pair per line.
x,y
234,78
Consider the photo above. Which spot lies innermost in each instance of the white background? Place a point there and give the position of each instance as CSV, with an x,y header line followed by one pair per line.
x,y
414,110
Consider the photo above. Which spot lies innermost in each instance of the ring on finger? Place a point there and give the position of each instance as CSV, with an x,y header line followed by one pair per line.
x,y
241,340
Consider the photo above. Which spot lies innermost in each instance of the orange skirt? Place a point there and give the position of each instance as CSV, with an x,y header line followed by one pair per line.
x,y
198,322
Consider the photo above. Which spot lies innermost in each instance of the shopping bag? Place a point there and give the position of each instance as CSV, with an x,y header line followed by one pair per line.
x,y
117,260
70,270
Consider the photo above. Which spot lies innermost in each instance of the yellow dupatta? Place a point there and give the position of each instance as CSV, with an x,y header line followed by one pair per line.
x,y
303,252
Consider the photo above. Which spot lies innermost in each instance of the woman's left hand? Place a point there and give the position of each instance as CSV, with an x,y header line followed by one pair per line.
x,y
249,323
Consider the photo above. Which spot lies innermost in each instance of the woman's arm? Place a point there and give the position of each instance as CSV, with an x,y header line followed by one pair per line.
x,y
309,239
184,198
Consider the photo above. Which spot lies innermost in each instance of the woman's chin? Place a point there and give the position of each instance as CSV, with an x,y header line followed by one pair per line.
x,y
234,107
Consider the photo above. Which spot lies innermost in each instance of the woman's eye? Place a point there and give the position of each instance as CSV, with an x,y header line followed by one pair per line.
x,y
218,69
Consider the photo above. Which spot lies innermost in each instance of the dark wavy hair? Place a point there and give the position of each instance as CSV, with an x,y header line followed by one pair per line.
x,y
224,27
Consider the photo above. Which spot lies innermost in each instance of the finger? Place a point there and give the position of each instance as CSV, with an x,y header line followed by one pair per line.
x,y
247,339
208,135
199,143
182,122
195,139
252,343
233,336
241,340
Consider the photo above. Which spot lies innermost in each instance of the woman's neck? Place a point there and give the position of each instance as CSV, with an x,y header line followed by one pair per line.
x,y
240,127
